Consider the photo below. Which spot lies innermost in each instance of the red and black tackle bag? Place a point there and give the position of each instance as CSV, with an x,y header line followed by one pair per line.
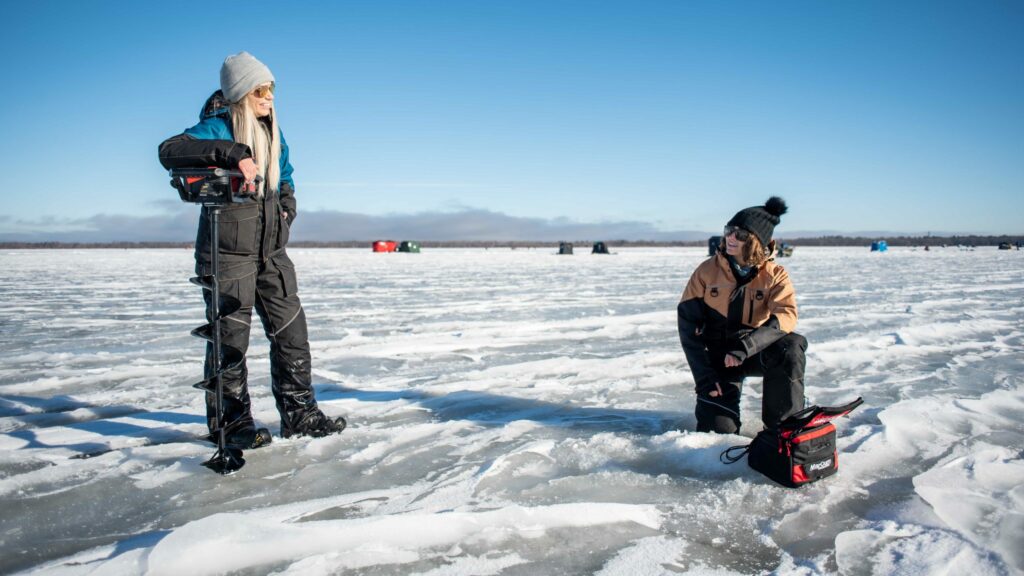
x,y
802,450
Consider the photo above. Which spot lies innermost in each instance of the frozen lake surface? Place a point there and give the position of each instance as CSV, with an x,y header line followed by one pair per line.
x,y
511,412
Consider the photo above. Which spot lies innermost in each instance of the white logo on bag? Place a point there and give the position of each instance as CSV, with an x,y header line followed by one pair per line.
x,y
820,465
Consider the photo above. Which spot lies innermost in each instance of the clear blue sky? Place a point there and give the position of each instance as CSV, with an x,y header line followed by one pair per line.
x,y
900,116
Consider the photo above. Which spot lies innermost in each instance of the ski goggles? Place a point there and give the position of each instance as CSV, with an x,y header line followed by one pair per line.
x,y
741,234
263,91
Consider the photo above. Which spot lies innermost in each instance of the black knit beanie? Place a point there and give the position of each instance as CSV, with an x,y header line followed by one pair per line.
x,y
761,220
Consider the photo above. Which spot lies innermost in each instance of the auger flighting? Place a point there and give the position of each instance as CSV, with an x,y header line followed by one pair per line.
x,y
214,188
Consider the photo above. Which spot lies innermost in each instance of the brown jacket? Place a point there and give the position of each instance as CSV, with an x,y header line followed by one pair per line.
x,y
719,314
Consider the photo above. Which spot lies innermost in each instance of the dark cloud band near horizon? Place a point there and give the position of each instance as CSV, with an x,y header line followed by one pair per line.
x,y
178,224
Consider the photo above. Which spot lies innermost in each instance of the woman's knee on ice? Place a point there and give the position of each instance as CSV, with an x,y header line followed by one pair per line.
x,y
712,417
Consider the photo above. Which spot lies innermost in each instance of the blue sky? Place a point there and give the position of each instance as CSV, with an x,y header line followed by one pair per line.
x,y
645,119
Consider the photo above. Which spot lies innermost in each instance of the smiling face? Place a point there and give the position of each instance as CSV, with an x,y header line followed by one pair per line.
x,y
261,100
733,246
734,239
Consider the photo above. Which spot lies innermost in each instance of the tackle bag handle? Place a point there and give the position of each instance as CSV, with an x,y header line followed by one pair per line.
x,y
815,416
807,418
727,457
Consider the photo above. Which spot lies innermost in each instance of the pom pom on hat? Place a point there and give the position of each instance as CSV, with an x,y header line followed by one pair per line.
x,y
776,206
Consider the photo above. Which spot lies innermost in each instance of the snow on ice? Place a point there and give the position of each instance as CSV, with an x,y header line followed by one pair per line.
x,y
512,412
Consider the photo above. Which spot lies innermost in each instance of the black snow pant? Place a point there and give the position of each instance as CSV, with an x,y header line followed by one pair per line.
x,y
271,288
782,366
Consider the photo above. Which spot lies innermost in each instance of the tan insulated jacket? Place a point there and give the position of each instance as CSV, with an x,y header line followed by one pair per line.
x,y
720,314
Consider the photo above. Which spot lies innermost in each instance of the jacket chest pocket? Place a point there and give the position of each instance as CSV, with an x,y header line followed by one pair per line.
x,y
716,296
757,307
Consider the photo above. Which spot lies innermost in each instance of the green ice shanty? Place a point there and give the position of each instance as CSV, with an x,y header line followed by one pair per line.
x,y
409,246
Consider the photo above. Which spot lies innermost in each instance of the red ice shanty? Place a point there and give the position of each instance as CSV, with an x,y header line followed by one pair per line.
x,y
385,246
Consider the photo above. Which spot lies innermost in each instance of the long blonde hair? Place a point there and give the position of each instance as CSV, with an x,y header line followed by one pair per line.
x,y
263,138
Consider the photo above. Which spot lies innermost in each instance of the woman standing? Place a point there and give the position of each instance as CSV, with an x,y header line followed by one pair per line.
x,y
238,130
736,319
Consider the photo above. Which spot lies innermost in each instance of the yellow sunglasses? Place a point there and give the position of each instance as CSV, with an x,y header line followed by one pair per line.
x,y
263,91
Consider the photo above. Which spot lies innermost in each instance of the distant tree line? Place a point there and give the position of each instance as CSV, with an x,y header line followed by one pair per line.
x,y
92,245
967,240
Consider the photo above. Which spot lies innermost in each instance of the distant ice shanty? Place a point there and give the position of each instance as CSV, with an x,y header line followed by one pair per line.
x,y
565,247
600,248
879,246
384,246
411,246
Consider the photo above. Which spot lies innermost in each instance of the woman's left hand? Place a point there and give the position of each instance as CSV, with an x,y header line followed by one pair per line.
x,y
732,361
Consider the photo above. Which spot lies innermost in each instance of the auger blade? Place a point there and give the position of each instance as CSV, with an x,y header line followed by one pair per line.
x,y
228,305
208,385
230,358
204,282
226,461
205,332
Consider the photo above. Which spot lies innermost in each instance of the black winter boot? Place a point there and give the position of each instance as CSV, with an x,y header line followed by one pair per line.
x,y
312,423
257,438
243,435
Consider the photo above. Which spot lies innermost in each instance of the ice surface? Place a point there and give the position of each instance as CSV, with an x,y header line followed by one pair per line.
x,y
511,412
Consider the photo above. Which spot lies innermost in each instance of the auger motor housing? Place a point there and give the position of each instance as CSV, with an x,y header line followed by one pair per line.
x,y
210,186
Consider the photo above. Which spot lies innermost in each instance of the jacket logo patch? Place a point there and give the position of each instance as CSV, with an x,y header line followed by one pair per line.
x,y
714,291
759,295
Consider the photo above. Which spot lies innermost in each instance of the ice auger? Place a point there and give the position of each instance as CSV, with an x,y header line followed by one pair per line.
x,y
214,188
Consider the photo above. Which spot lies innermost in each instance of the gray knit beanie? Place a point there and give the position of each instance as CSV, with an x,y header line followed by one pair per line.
x,y
240,74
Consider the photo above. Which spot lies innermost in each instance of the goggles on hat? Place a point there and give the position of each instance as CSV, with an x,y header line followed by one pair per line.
x,y
263,91
741,234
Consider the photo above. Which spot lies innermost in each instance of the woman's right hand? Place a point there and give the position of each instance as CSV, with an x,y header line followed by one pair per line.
x,y
250,170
